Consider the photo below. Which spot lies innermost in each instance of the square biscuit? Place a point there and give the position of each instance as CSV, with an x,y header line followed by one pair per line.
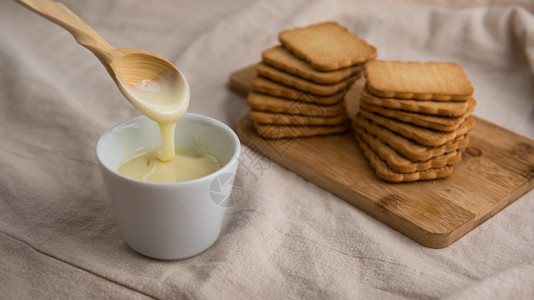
x,y
384,172
272,104
401,164
297,131
423,136
263,117
407,147
298,83
278,57
439,123
417,80
429,107
327,46
268,87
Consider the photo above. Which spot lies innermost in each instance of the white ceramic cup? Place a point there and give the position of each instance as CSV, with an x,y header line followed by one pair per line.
x,y
169,220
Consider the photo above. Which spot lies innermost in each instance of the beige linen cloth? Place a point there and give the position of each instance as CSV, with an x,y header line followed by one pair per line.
x,y
286,237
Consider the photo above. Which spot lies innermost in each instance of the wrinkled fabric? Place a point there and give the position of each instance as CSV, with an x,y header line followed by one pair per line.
x,y
286,237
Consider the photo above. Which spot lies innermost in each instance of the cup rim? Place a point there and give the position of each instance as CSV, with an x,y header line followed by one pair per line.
x,y
222,170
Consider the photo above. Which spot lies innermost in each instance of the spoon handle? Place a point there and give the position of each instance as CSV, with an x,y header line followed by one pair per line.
x,y
64,17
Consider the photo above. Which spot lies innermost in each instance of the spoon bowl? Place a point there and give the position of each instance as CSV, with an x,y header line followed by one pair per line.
x,y
148,82
132,66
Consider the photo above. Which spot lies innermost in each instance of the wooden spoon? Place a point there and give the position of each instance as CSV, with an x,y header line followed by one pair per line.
x,y
130,69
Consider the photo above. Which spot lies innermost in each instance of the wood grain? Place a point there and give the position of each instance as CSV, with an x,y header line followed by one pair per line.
x,y
497,169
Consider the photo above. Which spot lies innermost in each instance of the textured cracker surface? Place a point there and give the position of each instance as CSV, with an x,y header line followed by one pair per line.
x,y
327,46
439,108
278,57
428,121
272,104
298,83
288,131
401,164
407,147
266,86
421,135
418,80
383,171
263,117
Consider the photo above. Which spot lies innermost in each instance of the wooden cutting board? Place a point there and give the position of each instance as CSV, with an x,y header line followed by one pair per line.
x,y
497,168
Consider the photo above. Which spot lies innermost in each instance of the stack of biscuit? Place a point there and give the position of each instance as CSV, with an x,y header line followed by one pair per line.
x,y
414,118
300,84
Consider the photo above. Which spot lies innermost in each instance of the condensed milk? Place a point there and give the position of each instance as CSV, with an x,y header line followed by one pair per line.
x,y
164,100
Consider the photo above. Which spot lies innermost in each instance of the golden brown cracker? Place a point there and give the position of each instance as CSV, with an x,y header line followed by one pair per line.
x,y
417,80
327,46
439,123
272,104
383,171
263,117
439,108
421,135
288,131
269,87
298,83
407,147
401,164
278,57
